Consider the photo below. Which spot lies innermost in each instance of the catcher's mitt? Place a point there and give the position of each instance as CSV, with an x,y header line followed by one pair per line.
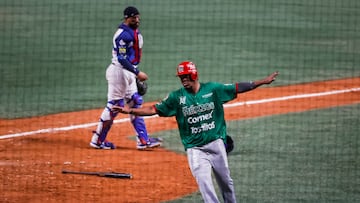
x,y
141,86
229,144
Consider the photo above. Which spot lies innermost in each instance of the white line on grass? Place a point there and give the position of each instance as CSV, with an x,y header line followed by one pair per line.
x,y
299,96
87,125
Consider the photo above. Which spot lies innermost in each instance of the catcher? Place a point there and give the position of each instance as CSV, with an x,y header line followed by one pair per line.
x,y
125,83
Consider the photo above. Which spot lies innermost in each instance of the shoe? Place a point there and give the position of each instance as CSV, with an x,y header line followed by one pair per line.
x,y
149,144
155,139
103,145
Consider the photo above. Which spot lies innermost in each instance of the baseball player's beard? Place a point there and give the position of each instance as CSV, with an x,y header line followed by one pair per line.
x,y
187,82
188,85
134,26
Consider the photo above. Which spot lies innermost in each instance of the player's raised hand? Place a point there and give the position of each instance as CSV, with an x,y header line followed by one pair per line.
x,y
267,80
272,77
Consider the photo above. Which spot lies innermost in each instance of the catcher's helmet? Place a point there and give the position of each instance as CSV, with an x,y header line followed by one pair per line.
x,y
187,68
130,12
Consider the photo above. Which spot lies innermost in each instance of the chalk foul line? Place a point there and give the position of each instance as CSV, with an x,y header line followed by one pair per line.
x,y
299,96
87,125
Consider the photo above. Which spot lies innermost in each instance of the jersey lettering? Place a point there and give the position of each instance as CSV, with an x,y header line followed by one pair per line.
x,y
191,110
192,120
204,127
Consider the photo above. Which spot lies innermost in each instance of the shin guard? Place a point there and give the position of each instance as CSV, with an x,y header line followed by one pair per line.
x,y
106,120
138,121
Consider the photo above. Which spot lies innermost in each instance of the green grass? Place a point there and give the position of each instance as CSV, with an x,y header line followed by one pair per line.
x,y
54,53
300,157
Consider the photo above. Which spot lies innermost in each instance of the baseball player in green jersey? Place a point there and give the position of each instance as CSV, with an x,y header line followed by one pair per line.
x,y
199,112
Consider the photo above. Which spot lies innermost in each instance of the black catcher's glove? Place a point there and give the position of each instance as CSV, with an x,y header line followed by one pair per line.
x,y
229,144
141,86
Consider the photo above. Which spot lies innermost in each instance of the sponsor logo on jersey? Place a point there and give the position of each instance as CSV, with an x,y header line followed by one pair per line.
x,y
182,100
196,119
205,120
207,95
204,127
122,50
191,110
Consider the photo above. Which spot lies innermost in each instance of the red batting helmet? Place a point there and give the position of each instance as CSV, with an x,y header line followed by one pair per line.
x,y
187,68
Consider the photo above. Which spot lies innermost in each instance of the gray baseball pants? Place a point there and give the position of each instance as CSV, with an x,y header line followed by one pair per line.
x,y
208,159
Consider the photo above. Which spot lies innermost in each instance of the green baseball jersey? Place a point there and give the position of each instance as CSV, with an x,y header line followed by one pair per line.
x,y
200,116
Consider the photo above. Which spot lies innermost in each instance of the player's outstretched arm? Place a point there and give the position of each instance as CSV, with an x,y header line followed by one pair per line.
x,y
143,111
242,87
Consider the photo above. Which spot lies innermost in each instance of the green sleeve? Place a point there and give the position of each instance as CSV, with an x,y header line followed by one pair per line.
x,y
226,92
167,107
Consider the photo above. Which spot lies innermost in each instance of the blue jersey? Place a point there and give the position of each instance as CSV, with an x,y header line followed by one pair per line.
x,y
127,45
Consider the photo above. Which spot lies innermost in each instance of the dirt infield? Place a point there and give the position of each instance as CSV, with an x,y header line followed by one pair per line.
x,y
41,147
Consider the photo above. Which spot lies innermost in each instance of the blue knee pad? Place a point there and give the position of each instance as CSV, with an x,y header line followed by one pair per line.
x,y
137,100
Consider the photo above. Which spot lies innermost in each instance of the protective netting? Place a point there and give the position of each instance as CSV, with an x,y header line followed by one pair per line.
x,y
295,140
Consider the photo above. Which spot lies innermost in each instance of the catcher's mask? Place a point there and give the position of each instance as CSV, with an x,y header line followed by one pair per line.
x,y
187,68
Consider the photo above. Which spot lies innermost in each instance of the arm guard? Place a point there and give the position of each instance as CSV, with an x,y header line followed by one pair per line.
x,y
244,86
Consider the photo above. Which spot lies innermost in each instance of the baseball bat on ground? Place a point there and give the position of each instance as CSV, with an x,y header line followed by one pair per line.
x,y
101,174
